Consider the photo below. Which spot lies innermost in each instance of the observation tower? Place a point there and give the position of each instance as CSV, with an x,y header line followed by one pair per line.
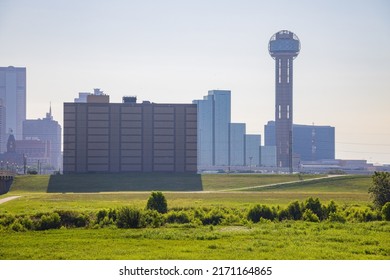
x,y
284,47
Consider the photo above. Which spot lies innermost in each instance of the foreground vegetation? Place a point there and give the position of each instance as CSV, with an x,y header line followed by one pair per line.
x,y
328,218
265,240
156,215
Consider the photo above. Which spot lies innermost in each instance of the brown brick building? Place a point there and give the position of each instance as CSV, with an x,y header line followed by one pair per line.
x,y
123,137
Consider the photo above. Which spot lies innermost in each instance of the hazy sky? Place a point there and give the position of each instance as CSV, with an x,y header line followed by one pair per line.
x,y
174,51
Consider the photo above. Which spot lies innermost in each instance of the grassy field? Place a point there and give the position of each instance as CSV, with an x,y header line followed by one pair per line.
x,y
289,240
266,240
343,190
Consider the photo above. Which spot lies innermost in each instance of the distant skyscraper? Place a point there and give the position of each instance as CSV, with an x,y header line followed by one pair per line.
x,y
13,96
46,129
252,149
237,144
222,105
313,142
3,136
284,46
205,133
268,156
213,128
310,142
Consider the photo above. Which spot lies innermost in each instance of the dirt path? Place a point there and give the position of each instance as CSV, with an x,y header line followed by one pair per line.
x,y
279,184
3,200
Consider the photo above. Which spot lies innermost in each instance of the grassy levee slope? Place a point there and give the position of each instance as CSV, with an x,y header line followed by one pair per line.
x,y
85,183
100,182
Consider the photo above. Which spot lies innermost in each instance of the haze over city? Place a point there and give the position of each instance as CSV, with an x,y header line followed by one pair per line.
x,y
175,51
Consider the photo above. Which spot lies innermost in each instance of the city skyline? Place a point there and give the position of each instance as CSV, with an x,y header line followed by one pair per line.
x,y
175,52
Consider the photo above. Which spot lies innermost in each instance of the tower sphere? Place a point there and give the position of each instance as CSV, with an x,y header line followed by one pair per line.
x,y
284,43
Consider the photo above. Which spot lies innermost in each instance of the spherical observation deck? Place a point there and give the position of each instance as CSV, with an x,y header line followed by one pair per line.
x,y
284,43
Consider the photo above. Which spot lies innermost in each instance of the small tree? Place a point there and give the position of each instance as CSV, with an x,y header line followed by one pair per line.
x,y
294,210
260,211
158,202
310,216
380,188
386,211
128,218
315,206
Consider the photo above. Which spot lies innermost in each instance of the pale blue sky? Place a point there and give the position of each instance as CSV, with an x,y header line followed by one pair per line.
x,y
175,51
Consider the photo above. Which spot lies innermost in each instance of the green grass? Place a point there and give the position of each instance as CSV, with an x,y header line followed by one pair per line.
x,y
274,240
218,182
144,182
288,240
343,190
350,183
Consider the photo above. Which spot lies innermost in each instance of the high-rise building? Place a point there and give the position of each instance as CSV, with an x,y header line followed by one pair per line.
x,y
313,142
268,156
222,104
3,136
213,129
237,144
121,137
284,47
252,150
310,142
46,129
13,97
205,133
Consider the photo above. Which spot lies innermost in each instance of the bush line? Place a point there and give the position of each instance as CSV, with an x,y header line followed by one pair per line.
x,y
312,210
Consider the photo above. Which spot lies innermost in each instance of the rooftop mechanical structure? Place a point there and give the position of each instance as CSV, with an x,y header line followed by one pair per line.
x,y
284,47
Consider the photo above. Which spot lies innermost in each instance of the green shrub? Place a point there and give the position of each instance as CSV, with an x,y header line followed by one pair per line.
x,y
294,210
369,216
214,217
158,202
106,222
82,220
199,213
332,207
49,221
101,214
152,218
380,188
128,218
178,217
27,223
336,217
72,219
17,226
283,214
7,220
260,211
112,214
315,206
386,211
310,216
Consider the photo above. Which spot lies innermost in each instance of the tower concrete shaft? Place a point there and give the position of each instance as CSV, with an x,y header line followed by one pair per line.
x,y
284,46
283,109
